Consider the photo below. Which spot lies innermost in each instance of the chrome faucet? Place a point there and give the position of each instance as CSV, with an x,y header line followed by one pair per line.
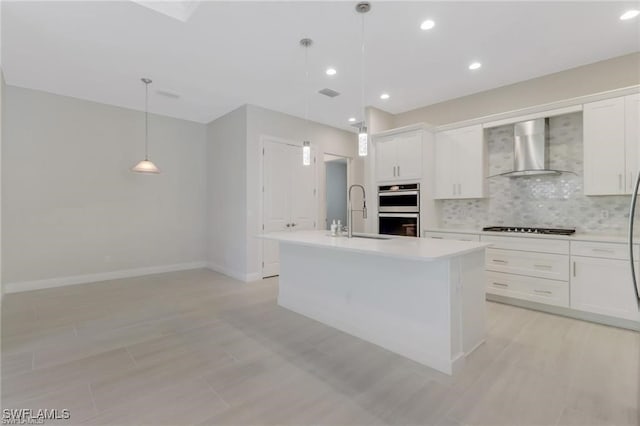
x,y
350,213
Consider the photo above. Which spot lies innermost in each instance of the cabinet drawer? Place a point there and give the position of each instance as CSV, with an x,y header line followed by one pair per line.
x,y
539,290
451,236
527,244
543,265
604,250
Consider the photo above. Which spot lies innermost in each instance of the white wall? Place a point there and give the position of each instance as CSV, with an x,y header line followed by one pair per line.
x,y
324,139
615,73
226,189
71,207
2,85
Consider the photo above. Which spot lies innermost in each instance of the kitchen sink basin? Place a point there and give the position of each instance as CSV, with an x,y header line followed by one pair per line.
x,y
372,237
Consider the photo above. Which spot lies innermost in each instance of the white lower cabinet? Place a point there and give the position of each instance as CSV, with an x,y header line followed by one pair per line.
x,y
603,286
534,289
528,275
592,277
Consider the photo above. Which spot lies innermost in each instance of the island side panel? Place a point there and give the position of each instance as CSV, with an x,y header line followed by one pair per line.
x,y
474,304
399,304
468,305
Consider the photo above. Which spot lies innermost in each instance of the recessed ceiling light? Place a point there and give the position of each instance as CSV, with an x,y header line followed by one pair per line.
x,y
427,25
331,71
475,65
352,120
384,96
630,14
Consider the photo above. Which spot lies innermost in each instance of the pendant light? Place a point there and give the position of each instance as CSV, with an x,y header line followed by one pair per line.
x,y
146,166
306,145
363,137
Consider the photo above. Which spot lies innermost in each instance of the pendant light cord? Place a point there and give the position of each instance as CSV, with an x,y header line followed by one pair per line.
x,y
364,113
146,121
306,106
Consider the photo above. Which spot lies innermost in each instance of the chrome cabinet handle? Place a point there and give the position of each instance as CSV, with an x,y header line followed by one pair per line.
x,y
394,171
398,170
543,266
574,268
454,189
542,291
288,225
437,238
599,250
459,189
500,284
499,261
293,224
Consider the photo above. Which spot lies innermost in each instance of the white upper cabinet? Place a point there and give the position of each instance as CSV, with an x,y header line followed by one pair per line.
x,y
460,163
399,157
607,152
632,139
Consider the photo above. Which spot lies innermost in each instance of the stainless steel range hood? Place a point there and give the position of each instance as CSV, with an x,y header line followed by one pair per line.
x,y
530,149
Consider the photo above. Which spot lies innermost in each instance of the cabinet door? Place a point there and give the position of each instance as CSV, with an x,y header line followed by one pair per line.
x,y
444,179
632,139
604,145
386,156
409,156
472,158
603,286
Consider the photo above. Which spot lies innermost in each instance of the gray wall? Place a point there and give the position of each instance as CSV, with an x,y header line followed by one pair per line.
x,y
615,73
70,204
336,184
227,202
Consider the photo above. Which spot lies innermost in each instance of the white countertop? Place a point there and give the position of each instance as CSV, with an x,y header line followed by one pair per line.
x,y
578,236
422,249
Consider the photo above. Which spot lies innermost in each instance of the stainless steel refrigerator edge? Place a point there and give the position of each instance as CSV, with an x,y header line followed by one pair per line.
x,y
632,212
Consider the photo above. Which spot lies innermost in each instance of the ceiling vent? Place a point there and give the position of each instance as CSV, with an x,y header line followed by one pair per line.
x,y
168,93
328,92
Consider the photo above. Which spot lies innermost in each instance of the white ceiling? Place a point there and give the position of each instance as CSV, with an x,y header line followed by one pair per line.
x,y
230,53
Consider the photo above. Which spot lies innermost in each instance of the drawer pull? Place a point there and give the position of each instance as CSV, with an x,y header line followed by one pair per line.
x,y
500,284
499,261
543,266
438,238
543,291
600,250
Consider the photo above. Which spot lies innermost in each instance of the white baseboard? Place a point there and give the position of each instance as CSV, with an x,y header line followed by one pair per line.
x,y
240,276
20,286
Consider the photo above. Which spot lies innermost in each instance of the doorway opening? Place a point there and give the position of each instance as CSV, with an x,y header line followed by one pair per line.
x,y
336,184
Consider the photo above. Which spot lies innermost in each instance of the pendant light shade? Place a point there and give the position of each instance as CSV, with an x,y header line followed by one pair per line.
x,y
306,153
363,137
363,141
146,166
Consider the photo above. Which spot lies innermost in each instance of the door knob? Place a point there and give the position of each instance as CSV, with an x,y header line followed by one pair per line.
x,y
288,225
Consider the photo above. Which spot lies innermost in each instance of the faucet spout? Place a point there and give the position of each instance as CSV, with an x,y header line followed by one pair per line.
x,y
350,207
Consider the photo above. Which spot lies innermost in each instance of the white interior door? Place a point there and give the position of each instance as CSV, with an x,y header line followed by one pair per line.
x,y
303,191
289,197
276,201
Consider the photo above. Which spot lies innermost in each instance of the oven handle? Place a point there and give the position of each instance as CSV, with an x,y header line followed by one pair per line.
x,y
407,215
396,193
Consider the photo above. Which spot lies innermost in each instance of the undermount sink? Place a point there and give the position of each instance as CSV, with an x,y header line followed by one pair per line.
x,y
372,237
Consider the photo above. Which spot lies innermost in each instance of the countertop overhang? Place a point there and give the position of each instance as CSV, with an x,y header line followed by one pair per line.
x,y
411,248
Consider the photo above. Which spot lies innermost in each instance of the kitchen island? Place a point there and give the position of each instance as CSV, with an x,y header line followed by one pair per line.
x,y
421,298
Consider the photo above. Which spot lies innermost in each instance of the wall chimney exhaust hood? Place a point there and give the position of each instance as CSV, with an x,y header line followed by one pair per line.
x,y
530,150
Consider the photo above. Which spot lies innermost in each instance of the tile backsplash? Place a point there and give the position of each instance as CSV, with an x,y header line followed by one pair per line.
x,y
542,201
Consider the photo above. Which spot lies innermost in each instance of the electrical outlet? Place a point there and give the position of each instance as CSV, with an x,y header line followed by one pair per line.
x,y
604,214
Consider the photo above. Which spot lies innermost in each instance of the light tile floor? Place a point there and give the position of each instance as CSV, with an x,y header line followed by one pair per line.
x,y
197,347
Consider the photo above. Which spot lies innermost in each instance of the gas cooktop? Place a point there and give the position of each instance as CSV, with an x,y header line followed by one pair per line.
x,y
525,230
